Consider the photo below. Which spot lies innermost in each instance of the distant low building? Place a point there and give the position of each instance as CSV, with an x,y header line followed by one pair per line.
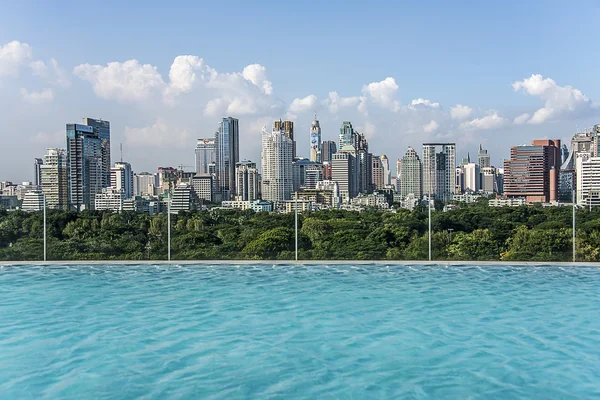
x,y
33,201
510,202
109,199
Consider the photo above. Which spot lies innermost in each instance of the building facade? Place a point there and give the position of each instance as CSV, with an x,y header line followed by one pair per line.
x,y
227,141
439,170
315,141
483,158
54,180
206,155
347,135
121,179
102,130
328,148
247,181
37,171
588,180
109,199
411,172
202,185
532,171
277,176
288,130
85,166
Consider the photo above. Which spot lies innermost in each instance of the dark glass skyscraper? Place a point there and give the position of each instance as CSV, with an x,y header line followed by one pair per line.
x,y
37,171
102,129
85,168
227,140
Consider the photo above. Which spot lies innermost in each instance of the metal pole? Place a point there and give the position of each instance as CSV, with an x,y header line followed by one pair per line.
x,y
296,207
429,207
574,248
169,227
45,248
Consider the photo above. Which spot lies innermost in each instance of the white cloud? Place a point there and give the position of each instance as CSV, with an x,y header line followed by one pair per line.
x,y
12,56
56,139
370,129
423,102
185,72
460,112
335,102
382,93
43,96
559,101
156,135
257,74
521,119
491,121
125,82
300,105
52,74
431,126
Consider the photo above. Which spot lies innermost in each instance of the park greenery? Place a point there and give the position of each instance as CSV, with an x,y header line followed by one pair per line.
x,y
471,232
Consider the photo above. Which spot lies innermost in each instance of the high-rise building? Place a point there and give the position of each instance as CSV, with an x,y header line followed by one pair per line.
x,y
247,181
583,143
300,169
439,170
54,179
37,171
385,165
459,179
343,167
377,174
532,171
411,172
483,158
33,201
315,141
489,180
145,184
85,166
328,148
109,199
227,141
347,135
364,161
398,174
277,177
121,179
102,129
472,177
588,180
202,186
288,130
206,153
182,199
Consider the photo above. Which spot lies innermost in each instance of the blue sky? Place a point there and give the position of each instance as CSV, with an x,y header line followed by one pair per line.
x,y
260,61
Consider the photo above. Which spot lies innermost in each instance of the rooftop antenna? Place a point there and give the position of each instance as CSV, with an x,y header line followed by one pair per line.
x,y
121,146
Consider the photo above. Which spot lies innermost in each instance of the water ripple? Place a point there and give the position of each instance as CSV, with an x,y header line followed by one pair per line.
x,y
295,331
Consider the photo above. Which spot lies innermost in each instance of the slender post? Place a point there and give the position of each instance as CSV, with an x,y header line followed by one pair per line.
x,y
429,207
574,248
169,227
296,208
45,248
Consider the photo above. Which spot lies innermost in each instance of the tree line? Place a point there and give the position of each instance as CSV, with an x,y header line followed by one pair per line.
x,y
472,232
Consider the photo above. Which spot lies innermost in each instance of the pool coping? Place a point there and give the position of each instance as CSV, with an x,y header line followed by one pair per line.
x,y
300,262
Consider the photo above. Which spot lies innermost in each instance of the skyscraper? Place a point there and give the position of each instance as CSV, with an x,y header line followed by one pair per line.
x,y
364,161
398,174
288,130
247,181
472,177
532,171
277,176
102,129
85,166
54,181
411,172
385,164
439,170
227,141
483,158
121,179
377,173
343,172
347,135
328,148
37,171
315,141
588,180
206,153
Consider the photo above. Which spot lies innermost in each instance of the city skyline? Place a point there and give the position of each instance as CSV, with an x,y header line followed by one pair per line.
x,y
161,98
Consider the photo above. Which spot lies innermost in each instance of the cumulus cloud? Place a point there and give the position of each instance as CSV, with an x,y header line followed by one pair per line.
x,y
43,96
431,126
13,55
185,72
559,101
157,135
382,93
257,74
49,139
521,119
307,103
423,102
129,81
370,129
335,102
52,73
490,121
460,112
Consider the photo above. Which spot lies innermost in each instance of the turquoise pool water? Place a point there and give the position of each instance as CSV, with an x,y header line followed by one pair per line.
x,y
310,332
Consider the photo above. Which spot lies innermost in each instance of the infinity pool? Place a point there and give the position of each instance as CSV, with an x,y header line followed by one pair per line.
x,y
310,332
